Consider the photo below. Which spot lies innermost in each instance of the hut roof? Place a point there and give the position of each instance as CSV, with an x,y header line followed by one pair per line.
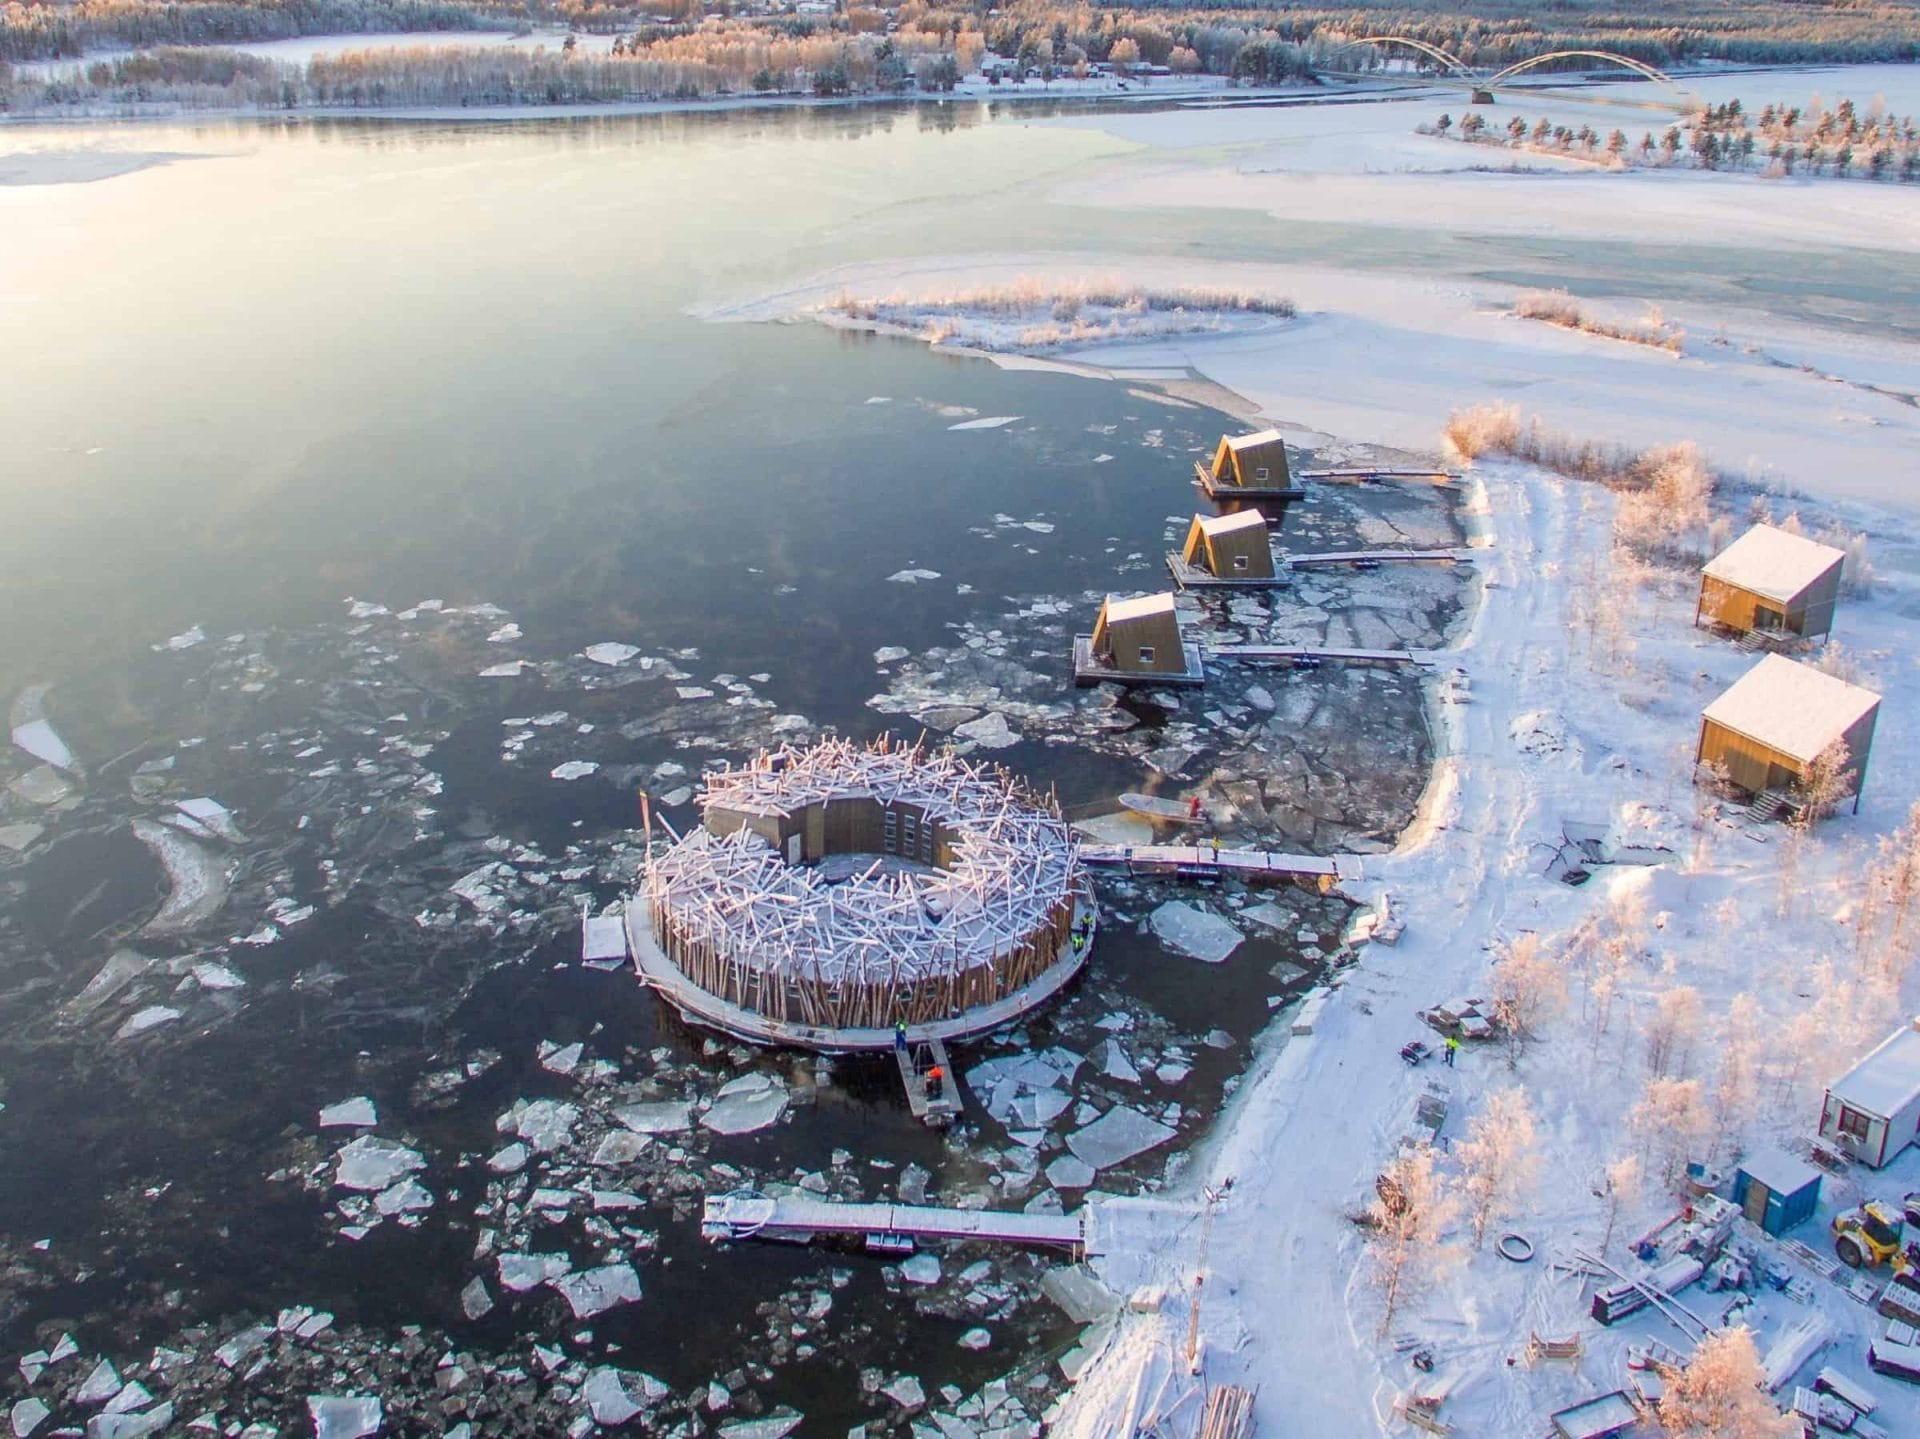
x,y
1772,563
1780,1171
1257,438
1213,526
1139,607
1790,707
1887,1078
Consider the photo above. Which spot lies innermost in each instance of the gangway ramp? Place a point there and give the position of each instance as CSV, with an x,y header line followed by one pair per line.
x,y
747,1214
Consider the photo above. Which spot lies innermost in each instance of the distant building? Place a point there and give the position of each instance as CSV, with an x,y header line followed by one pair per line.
x,y
1872,1112
1771,582
1225,550
1248,467
1137,641
1776,719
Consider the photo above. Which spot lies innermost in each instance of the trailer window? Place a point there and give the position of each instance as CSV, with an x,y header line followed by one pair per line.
x,y
1852,1122
1146,654
1260,473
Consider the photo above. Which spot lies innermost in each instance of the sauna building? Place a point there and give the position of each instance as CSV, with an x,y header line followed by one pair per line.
x,y
1772,583
1137,641
1248,467
1775,720
832,892
1225,551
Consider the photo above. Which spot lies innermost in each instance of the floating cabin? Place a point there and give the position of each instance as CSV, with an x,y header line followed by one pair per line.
x,y
1872,1112
834,891
1776,1190
1769,582
1227,552
1137,641
1777,718
1248,467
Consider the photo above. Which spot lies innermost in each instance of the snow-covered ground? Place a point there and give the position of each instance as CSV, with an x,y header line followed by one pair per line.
x,y
1543,724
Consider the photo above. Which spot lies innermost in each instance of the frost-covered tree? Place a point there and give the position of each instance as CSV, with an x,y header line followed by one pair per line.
x,y
1718,1394
1733,1097
1619,1187
1524,988
1406,1227
1670,1119
1670,1031
1499,1159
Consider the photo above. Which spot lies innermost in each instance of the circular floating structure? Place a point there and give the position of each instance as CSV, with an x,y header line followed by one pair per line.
x,y
833,892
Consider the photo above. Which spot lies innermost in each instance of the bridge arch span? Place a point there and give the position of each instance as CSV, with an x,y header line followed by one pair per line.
x,y
1638,67
1431,52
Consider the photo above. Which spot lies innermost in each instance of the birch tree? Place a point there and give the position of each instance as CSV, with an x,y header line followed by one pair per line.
x,y
1670,1118
1671,1030
1718,1394
1405,1228
1619,1188
1499,1159
1525,988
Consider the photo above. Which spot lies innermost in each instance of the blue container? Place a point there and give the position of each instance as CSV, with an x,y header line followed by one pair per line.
x,y
1776,1191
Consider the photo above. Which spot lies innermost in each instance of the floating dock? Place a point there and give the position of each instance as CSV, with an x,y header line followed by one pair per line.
x,y
1367,559
795,1219
1203,860
1310,656
1368,476
1192,577
933,1094
1089,671
1215,490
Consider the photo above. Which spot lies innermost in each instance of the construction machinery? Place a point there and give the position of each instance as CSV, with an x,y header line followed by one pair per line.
x,y
1868,1235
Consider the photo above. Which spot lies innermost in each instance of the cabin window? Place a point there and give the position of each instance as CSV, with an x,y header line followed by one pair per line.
x,y
1260,473
910,836
1146,654
1239,562
1852,1122
890,837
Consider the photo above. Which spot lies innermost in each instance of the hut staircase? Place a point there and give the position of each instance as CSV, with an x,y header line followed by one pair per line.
x,y
1768,806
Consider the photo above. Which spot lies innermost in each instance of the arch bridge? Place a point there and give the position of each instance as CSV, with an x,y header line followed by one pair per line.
x,y
1455,68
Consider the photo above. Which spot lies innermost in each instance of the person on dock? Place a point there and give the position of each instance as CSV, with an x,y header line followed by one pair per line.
x,y
900,1035
1451,1049
934,1076
1216,849
1193,808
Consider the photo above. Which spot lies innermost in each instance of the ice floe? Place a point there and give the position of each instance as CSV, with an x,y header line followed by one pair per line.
x,y
1116,1137
610,653
1198,933
355,1113
344,1416
593,1291
370,1163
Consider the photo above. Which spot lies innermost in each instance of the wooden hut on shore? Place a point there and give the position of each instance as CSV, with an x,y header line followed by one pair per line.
x,y
1137,641
1248,467
1771,582
1225,551
1776,720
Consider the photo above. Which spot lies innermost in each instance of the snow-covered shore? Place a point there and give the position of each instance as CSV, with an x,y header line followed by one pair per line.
x,y
1540,724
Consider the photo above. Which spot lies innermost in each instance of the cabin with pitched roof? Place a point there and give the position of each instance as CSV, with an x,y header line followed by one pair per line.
x,y
1771,582
1248,467
1137,641
1228,551
1778,718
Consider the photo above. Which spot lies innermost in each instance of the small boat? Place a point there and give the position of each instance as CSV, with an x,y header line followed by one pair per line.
x,y
1166,811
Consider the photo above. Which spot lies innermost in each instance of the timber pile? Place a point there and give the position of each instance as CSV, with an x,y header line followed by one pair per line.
x,y
1229,1413
891,943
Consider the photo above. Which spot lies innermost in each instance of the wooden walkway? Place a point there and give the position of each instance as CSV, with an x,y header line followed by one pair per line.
x,y
1192,577
797,1219
1204,859
1087,670
1369,558
1307,655
1437,477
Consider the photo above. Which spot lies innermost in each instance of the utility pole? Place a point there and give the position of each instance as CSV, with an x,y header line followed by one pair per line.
x,y
1213,1197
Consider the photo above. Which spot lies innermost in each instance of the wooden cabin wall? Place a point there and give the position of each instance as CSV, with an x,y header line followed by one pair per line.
x,y
1272,456
1812,612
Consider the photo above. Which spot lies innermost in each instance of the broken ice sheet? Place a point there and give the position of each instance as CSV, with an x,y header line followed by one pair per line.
x,y
152,1017
610,653
350,1416
1198,933
1116,1137
616,1395
370,1163
521,1272
546,1124
594,1291
357,1113
574,769
560,1059
662,1116
777,1425
750,1102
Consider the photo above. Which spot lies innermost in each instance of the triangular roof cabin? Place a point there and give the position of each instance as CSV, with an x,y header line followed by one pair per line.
x,y
1140,635
1230,547
1257,461
1772,580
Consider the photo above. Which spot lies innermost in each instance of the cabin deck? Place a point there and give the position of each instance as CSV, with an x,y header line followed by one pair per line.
x,y
1307,656
1089,671
1366,559
1216,490
798,1219
1204,860
1192,577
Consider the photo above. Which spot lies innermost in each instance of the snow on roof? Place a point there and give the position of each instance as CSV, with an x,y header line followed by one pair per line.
x,y
1780,1171
1790,707
1772,563
1138,607
1247,442
1887,1078
1216,525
